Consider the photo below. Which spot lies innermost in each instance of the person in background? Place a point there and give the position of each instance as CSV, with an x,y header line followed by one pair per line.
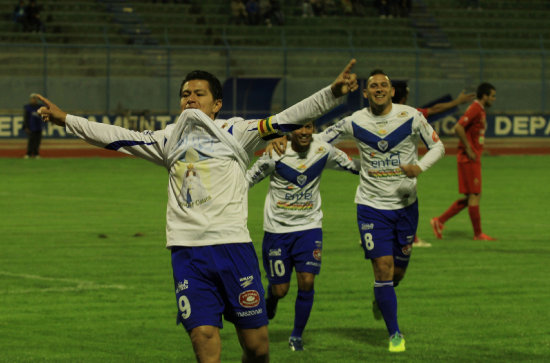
x,y
401,96
293,238
470,130
33,124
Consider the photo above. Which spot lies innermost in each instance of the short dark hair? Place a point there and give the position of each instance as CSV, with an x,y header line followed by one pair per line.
x,y
213,82
401,91
484,89
378,71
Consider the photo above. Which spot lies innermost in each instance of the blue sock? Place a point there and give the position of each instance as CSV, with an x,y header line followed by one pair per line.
x,y
302,308
384,294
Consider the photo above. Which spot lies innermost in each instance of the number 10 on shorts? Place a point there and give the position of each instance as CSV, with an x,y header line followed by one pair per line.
x,y
276,268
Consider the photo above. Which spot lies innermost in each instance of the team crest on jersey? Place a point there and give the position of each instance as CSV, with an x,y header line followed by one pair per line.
x,y
317,254
249,298
407,249
320,150
301,179
382,145
403,114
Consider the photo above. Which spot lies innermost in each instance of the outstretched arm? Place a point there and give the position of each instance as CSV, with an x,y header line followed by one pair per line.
x,y
51,113
444,106
148,145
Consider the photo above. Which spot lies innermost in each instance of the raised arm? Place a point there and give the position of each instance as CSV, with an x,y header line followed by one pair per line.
x,y
147,145
319,103
444,106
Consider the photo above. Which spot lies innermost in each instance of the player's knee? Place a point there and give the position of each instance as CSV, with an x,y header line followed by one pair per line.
x,y
279,291
256,347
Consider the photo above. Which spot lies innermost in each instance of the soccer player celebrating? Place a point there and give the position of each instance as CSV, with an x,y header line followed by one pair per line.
x,y
293,219
215,267
387,137
470,130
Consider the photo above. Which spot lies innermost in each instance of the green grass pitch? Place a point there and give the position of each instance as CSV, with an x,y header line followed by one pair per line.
x,y
77,285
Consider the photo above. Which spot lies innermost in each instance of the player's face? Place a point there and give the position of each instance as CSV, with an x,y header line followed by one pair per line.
x,y
302,137
196,94
490,99
379,93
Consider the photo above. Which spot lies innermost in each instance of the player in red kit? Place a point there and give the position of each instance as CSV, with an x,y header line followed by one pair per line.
x,y
470,129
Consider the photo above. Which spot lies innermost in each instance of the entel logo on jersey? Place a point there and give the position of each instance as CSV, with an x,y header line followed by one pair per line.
x,y
249,298
317,254
392,160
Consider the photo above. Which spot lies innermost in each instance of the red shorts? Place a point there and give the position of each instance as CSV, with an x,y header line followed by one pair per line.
x,y
469,177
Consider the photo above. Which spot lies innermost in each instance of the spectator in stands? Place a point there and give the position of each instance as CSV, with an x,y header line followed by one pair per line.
x,y
404,8
307,9
238,12
472,4
253,12
32,12
32,124
383,7
274,13
318,7
347,7
19,15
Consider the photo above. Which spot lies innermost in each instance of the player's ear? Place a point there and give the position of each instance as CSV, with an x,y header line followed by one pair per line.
x,y
365,93
217,105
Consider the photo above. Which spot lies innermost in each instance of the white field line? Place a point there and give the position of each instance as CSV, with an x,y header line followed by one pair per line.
x,y
80,284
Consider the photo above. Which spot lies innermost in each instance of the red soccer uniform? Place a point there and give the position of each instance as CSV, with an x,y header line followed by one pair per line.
x,y
474,123
469,172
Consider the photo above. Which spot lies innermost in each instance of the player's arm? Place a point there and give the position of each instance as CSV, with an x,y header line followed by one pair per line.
x,y
444,106
319,103
436,149
339,160
147,145
254,134
332,133
277,145
264,166
461,133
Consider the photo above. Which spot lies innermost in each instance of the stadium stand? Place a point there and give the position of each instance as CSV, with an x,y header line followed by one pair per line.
x,y
440,39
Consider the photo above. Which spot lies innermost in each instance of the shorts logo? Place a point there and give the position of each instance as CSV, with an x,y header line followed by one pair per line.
x,y
382,145
246,281
182,286
275,252
407,249
301,179
367,226
317,254
249,298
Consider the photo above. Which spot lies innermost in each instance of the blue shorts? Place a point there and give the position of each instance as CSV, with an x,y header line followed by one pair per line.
x,y
283,251
215,280
388,232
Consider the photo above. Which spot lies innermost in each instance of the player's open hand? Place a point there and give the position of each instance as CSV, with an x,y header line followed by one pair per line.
x,y
50,112
278,145
411,170
346,81
464,97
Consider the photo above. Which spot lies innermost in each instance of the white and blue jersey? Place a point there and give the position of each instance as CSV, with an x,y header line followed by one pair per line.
x,y
385,142
293,202
206,161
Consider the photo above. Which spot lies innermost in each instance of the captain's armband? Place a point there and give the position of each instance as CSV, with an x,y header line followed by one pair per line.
x,y
266,129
